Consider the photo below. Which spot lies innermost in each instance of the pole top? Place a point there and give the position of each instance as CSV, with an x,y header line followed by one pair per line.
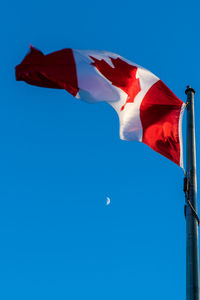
x,y
189,89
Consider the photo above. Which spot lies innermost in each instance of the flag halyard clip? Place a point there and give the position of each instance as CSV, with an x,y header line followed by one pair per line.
x,y
186,189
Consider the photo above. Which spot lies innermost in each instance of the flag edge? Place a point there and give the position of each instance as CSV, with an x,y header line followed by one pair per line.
x,y
181,134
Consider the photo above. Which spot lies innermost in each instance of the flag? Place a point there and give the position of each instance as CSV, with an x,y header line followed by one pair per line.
x,y
148,110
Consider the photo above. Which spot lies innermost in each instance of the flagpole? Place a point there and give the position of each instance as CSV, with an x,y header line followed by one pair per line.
x,y
192,221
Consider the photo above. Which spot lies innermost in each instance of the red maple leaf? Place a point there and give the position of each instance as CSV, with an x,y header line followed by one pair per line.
x,y
123,76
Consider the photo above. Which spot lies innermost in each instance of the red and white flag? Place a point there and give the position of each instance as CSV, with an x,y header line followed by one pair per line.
x,y
148,110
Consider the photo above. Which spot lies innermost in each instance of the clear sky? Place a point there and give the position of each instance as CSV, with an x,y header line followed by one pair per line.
x,y
61,158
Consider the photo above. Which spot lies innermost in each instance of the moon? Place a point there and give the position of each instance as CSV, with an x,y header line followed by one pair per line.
x,y
108,201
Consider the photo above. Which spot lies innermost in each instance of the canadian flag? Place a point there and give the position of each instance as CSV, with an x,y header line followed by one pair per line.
x,y
148,110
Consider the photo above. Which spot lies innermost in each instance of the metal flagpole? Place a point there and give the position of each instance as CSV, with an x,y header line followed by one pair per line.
x,y
192,220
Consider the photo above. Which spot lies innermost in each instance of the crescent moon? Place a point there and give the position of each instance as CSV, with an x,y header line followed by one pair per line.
x,y
108,201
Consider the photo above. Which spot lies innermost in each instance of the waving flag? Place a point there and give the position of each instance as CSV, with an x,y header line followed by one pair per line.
x,y
148,110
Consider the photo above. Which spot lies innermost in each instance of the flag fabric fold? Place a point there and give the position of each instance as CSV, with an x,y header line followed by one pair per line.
x,y
148,110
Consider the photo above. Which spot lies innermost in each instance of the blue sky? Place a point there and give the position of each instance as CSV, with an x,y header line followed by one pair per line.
x,y
60,158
